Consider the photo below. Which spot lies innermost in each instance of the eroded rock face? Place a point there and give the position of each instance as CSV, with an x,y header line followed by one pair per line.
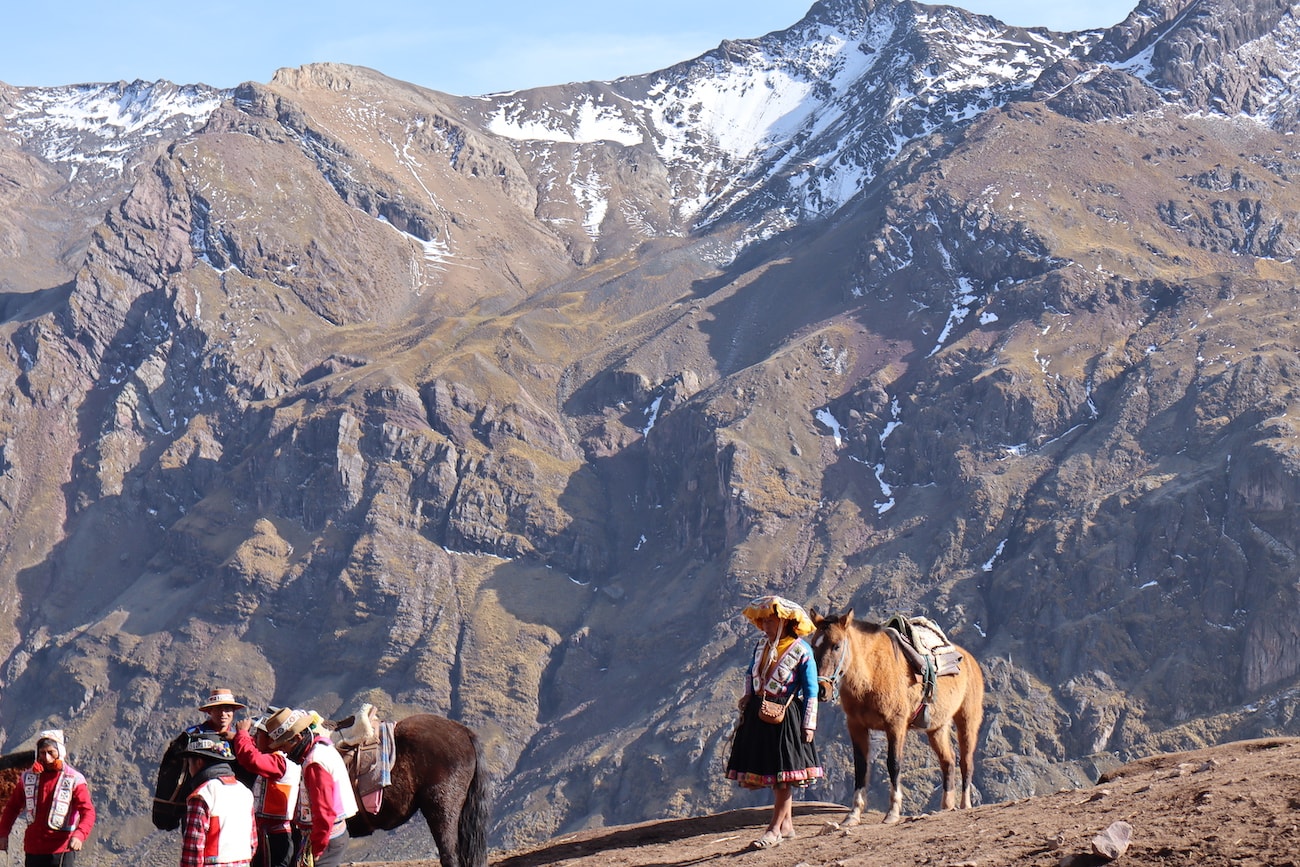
x,y
347,397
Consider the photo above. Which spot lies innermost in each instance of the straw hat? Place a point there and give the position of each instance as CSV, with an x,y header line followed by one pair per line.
x,y
221,697
779,606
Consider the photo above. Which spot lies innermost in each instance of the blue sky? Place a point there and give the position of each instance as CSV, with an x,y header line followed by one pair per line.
x,y
464,47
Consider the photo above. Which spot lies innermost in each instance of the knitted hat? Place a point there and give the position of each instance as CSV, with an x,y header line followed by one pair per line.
x,y
221,697
55,736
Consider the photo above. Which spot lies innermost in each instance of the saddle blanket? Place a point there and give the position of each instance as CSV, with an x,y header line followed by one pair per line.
x,y
370,765
925,645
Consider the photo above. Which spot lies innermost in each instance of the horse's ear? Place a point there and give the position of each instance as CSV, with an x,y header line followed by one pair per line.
x,y
846,618
816,618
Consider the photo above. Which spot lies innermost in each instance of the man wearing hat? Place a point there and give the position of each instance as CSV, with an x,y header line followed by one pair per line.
x,y
53,798
220,708
325,797
275,793
219,811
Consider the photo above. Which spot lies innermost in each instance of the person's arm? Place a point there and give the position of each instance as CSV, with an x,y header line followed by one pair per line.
x,y
749,681
196,833
808,675
320,794
269,765
84,809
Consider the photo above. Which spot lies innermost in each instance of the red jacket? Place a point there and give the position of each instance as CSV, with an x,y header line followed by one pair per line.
x,y
40,838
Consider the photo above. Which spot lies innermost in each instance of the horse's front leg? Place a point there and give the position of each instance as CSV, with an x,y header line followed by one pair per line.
x,y
861,778
894,762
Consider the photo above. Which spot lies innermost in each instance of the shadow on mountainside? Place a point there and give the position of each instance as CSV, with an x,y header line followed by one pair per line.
x,y
1235,804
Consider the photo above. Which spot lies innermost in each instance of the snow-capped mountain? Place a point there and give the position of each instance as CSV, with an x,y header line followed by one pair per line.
x,y
796,123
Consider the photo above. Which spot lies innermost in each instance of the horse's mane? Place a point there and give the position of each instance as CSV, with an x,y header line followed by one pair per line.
x,y
20,759
857,623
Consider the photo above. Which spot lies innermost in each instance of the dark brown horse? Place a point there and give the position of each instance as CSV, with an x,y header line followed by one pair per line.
x,y
879,690
173,786
11,766
439,771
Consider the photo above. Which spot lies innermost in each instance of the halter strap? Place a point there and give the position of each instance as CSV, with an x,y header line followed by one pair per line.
x,y
840,664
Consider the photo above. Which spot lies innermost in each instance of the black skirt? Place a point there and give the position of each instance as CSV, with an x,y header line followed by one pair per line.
x,y
764,754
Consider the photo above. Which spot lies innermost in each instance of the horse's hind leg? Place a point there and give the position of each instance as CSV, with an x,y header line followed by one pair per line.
x,y
968,719
442,825
941,742
967,736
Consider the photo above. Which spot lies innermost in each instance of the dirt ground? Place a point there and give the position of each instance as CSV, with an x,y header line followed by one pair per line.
x,y
1236,804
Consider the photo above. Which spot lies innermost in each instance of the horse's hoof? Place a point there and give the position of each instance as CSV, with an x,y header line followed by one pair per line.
x,y
893,818
828,828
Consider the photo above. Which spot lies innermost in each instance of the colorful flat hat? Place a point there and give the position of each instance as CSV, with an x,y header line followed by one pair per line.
x,y
779,606
221,697
209,746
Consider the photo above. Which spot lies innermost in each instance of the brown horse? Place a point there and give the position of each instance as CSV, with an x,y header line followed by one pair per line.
x,y
439,771
11,767
879,690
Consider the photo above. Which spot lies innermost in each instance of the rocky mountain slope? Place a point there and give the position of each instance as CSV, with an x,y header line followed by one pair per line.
x,y
338,388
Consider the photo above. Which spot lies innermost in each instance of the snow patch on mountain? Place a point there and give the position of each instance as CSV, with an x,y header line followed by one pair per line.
x,y
106,124
583,122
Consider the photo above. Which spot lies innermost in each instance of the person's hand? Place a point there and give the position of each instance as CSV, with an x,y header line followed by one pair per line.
x,y
808,735
74,845
740,705
244,725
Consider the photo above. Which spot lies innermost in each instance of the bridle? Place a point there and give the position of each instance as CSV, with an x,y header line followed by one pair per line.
x,y
838,675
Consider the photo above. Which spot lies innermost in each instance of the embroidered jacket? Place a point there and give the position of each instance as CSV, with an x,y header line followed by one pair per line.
x,y
275,791
219,824
325,796
56,805
795,672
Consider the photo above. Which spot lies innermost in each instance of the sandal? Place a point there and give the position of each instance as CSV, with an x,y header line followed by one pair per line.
x,y
789,835
768,841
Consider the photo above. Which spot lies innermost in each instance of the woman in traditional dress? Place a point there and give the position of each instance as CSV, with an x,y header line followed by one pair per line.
x,y
782,674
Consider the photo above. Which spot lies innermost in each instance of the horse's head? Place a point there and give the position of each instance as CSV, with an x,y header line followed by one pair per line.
x,y
830,643
168,791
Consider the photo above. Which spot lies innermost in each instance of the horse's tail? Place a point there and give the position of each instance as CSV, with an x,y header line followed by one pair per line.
x,y
472,830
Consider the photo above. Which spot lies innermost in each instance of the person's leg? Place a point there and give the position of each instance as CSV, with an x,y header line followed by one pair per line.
x,y
69,858
783,811
275,849
783,797
334,852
